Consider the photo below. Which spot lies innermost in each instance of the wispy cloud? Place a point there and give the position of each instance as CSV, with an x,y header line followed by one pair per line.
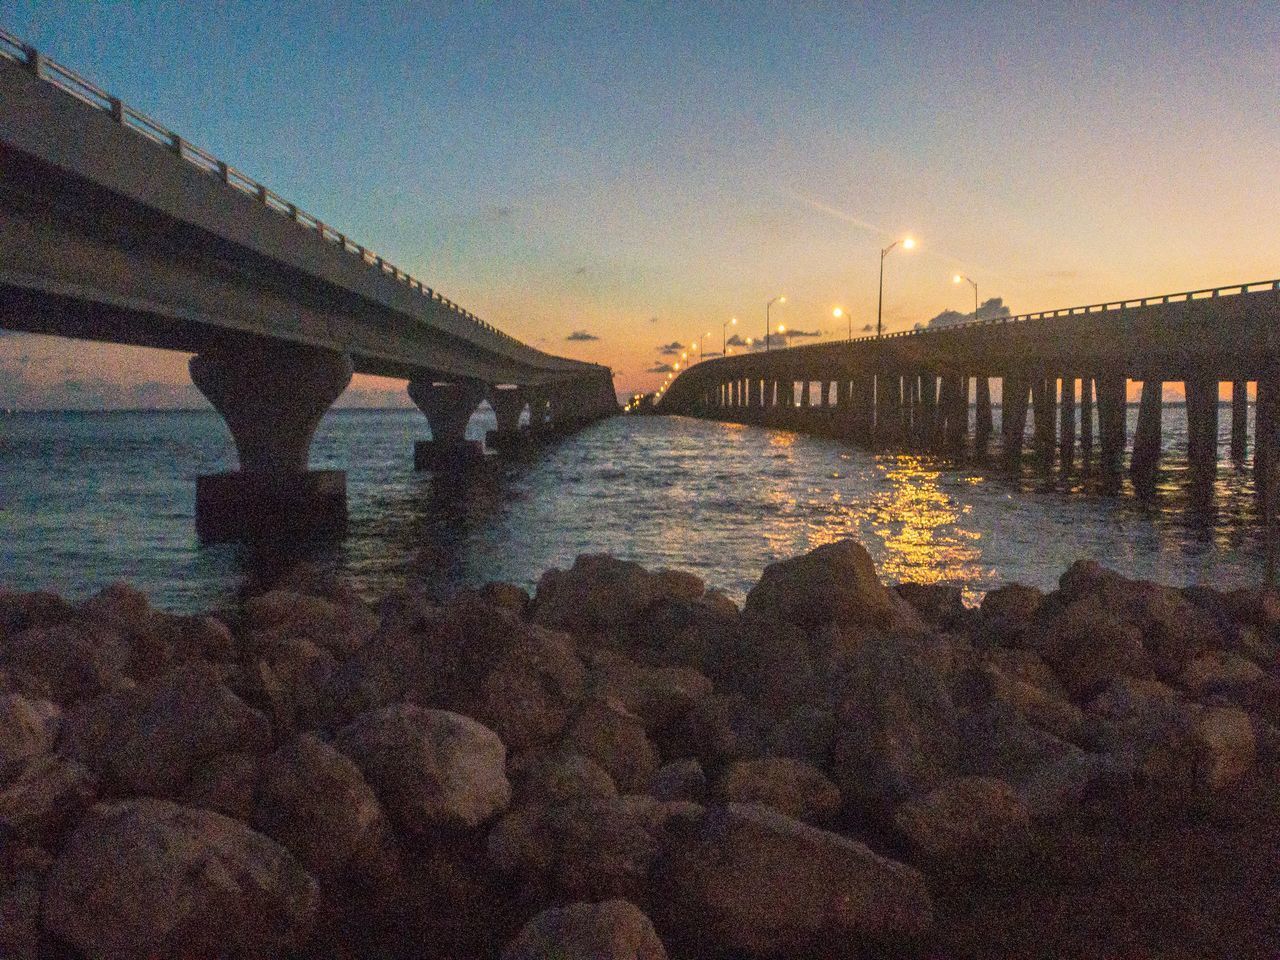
x,y
581,336
671,349
661,368
834,212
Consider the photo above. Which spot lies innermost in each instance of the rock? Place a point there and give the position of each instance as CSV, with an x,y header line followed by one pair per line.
x,y
429,768
806,734
746,878
1049,774
225,784
792,787
1220,672
1225,739
706,733
77,661
313,801
596,594
47,794
606,733
967,823
680,780
613,930
1007,611
20,936
679,585
659,696
148,878
186,717
27,728
836,583
679,632
1088,646
291,687
22,611
563,777
504,596
121,608
1045,710
589,849
938,604
282,615
895,721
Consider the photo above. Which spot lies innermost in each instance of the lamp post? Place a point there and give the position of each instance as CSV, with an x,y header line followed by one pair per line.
x,y
838,313
782,329
724,336
907,244
768,343
973,283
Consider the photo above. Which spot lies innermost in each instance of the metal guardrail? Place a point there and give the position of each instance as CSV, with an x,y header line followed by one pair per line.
x,y
68,81
1208,293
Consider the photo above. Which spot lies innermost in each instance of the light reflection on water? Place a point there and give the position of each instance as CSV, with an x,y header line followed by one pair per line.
x,y
91,498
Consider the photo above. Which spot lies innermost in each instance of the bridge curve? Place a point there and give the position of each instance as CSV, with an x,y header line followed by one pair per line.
x,y
115,228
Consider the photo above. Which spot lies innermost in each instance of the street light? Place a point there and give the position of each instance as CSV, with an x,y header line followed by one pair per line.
x,y
838,313
767,343
782,329
960,276
907,244
724,335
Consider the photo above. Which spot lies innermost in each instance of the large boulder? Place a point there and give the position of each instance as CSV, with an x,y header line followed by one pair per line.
x,y
279,616
1220,671
659,696
226,784
48,794
314,801
74,660
607,733
746,878
1226,747
148,878
186,717
22,611
967,823
613,930
896,721
430,768
836,583
597,594
792,787
27,728
1088,644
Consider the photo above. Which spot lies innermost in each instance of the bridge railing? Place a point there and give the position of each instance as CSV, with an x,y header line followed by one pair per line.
x,y
67,80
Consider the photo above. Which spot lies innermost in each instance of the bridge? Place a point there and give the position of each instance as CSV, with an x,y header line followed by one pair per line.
x,y
114,228
931,389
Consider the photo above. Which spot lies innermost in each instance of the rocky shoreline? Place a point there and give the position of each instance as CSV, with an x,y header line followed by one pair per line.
x,y
627,765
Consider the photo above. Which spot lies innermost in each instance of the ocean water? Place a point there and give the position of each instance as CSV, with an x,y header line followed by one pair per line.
x,y
91,498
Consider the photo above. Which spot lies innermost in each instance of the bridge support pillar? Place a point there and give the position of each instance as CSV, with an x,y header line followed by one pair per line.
x,y
1202,434
1239,419
507,406
1067,426
1111,428
982,420
1013,420
1044,398
1145,460
956,411
1086,423
927,428
272,400
448,407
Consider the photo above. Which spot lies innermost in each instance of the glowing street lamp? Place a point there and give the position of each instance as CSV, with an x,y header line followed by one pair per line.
x,y
907,244
838,312
767,344
724,335
960,276
783,330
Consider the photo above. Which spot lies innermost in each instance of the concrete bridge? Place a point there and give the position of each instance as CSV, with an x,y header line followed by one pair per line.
x,y
114,228
931,389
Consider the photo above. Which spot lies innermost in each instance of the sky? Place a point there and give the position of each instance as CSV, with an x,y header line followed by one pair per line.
x,y
602,180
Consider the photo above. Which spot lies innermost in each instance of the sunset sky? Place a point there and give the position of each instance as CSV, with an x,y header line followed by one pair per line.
x,y
640,173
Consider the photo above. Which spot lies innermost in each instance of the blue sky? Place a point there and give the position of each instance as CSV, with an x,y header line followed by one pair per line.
x,y
644,171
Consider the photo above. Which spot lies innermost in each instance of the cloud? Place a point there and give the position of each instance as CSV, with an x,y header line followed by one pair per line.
x,y
802,334
710,353
653,319
661,368
736,341
867,327
992,309
670,349
581,336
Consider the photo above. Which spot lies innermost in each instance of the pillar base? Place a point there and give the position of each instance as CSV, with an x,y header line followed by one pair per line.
x,y
442,457
258,507
508,439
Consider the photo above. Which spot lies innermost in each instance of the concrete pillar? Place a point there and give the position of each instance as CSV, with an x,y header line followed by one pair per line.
x,y
1239,419
956,425
1013,419
1145,460
1067,426
448,408
862,402
927,426
507,405
1044,399
982,422
272,399
1086,423
805,399
1111,428
1202,433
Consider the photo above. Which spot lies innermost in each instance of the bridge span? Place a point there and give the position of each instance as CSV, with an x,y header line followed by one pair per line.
x,y
114,228
932,389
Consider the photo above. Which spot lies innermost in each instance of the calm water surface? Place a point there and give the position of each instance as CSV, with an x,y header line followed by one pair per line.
x,y
86,499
